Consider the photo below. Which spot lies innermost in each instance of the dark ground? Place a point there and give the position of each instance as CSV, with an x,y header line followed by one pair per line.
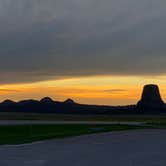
x,y
125,148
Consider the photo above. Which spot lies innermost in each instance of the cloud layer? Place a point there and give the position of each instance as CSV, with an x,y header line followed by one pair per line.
x,y
51,39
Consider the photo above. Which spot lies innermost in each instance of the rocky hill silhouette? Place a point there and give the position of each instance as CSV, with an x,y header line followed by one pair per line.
x,y
151,100
150,103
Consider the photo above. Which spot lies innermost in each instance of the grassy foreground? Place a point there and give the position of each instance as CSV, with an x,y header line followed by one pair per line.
x,y
65,117
26,133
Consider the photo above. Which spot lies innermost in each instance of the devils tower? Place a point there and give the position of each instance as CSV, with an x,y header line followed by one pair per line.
x,y
151,100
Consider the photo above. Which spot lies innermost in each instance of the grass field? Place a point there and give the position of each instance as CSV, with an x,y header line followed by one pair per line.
x,y
61,117
30,133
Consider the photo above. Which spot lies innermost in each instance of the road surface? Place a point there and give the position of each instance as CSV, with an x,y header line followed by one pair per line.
x,y
126,148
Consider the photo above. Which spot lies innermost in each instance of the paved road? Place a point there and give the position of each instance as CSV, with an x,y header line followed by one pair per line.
x,y
37,122
126,148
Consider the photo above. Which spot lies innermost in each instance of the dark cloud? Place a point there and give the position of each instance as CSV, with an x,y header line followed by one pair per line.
x,y
52,39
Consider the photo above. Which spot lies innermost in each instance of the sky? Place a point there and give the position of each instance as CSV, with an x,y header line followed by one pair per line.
x,y
97,52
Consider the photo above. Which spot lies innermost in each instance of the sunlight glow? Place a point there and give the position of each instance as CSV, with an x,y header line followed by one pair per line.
x,y
111,90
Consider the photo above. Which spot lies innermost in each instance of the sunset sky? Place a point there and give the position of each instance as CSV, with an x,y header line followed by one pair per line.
x,y
93,51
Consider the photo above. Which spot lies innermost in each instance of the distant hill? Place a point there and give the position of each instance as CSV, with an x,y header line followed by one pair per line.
x,y
69,106
150,103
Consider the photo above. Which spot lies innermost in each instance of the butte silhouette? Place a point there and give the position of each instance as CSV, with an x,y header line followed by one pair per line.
x,y
150,103
151,100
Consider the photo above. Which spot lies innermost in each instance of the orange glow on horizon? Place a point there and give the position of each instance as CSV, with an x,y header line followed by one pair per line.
x,y
110,90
